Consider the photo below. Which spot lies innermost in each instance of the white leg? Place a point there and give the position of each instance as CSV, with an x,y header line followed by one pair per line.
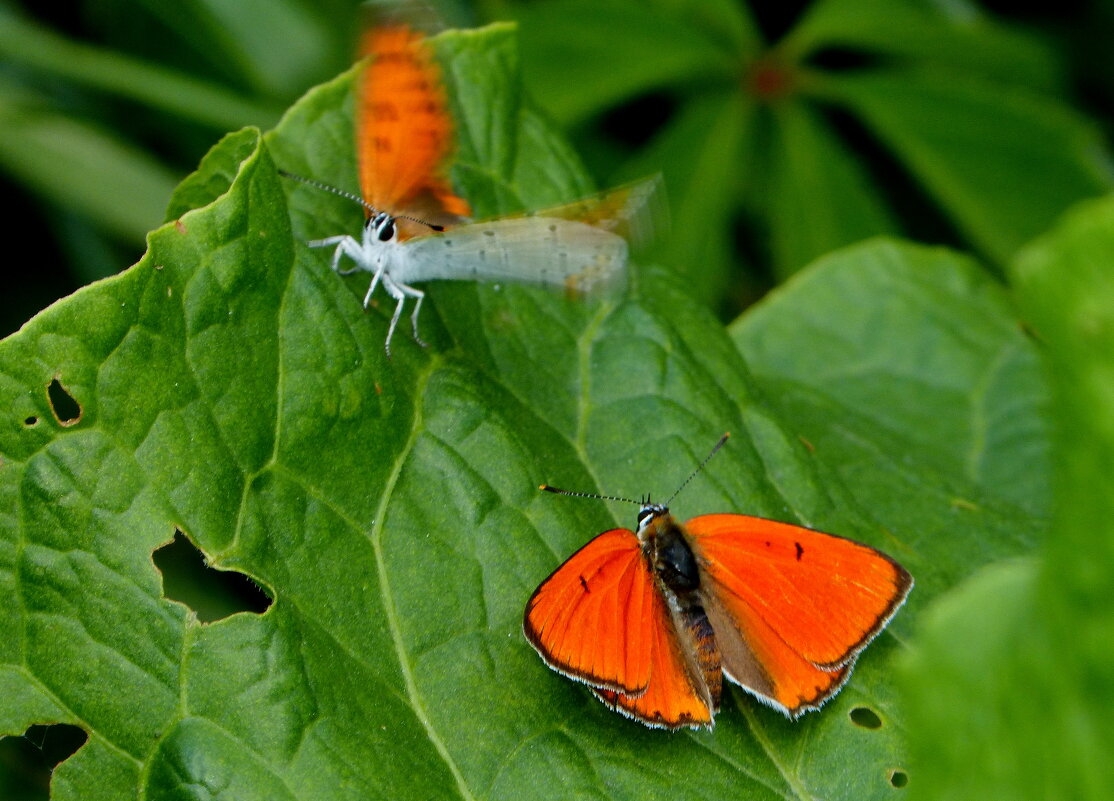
x,y
419,296
380,272
395,292
345,245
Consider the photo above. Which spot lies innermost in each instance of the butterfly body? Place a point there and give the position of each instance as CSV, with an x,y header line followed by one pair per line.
x,y
548,251
653,620
404,142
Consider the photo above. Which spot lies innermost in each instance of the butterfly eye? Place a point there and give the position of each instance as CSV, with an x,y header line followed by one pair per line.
x,y
384,227
648,513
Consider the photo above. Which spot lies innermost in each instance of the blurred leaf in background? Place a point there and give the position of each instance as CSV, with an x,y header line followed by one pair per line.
x,y
784,133
105,105
1009,687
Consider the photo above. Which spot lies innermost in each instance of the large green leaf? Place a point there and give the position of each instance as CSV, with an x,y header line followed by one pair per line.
x,y
858,106
1016,662
232,387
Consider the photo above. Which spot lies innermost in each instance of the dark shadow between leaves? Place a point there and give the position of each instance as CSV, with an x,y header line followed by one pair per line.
x,y
28,761
212,594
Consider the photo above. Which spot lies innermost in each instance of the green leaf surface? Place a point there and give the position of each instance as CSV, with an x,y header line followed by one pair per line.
x,y
571,44
1002,183
905,369
231,387
1017,662
957,35
707,133
820,199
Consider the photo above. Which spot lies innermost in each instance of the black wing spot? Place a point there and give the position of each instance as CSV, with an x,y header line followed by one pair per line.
x,y
800,550
584,584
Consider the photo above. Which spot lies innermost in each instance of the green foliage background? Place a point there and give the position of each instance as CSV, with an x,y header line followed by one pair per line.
x,y
952,410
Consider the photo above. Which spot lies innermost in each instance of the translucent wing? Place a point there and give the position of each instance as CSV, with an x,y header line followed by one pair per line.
x,y
556,252
634,211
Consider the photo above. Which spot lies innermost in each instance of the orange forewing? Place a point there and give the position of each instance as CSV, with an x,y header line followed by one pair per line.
x,y
824,596
600,619
595,617
404,132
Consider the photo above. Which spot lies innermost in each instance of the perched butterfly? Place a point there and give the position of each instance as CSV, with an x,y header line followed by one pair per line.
x,y
652,620
403,139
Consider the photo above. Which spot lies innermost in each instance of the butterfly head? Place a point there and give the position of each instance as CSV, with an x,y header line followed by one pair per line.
x,y
382,227
648,513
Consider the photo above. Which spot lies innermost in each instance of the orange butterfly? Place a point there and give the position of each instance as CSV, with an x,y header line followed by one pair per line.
x,y
652,620
404,139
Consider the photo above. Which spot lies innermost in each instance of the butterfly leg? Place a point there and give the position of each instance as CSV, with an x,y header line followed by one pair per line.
x,y
419,297
395,291
344,245
380,272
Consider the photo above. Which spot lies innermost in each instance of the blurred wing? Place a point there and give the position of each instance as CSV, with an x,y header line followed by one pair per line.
x,y
551,251
792,607
404,129
634,211
595,619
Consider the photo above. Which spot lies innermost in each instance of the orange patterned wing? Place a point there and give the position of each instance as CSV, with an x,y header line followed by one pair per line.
x,y
404,132
804,603
593,617
826,596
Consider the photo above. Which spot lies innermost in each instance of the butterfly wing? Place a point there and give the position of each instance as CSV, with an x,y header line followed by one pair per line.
x,y
792,607
566,254
634,210
676,696
592,619
600,619
404,129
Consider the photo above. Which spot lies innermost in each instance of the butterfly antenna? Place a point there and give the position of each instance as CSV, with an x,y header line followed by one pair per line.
x,y
547,488
355,197
329,188
428,225
700,467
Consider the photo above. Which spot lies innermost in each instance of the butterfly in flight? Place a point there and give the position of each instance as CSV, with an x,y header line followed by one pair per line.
x,y
653,620
413,230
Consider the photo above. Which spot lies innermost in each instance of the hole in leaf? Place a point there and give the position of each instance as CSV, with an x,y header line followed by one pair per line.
x,y
30,421
899,778
212,594
865,717
27,762
67,411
